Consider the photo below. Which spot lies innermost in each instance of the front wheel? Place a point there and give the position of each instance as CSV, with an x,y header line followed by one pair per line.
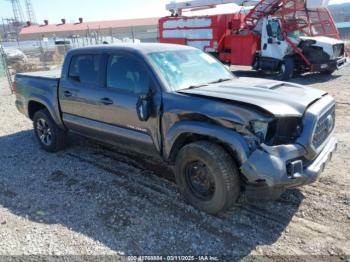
x,y
49,135
286,69
207,177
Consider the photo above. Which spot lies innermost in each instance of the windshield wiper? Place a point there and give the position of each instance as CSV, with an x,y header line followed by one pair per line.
x,y
215,82
195,86
221,80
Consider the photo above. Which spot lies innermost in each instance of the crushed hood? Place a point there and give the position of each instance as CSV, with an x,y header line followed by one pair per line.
x,y
278,98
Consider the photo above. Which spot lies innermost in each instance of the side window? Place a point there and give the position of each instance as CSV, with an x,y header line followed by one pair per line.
x,y
276,29
85,69
126,73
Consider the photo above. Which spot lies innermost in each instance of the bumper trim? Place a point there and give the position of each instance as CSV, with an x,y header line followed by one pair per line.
x,y
268,167
277,181
342,63
314,170
335,64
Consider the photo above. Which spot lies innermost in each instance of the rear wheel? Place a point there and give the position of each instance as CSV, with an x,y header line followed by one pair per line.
x,y
49,135
286,69
207,177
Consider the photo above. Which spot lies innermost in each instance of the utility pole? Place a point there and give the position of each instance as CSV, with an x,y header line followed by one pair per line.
x,y
30,11
17,11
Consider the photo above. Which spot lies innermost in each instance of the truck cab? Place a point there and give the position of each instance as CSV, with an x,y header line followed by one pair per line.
x,y
291,54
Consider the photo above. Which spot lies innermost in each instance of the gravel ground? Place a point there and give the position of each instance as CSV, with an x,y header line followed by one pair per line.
x,y
92,199
4,87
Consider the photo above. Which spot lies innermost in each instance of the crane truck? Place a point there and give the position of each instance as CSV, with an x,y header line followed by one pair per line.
x,y
281,36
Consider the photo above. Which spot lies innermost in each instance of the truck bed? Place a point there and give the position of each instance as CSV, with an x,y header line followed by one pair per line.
x,y
41,87
53,74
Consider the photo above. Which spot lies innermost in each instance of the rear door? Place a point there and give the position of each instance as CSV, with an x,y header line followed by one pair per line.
x,y
80,92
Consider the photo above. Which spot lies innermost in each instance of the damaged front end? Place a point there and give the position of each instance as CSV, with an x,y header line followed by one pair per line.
x,y
325,55
293,153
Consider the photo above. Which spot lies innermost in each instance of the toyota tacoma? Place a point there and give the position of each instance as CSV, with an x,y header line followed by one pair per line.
x,y
222,134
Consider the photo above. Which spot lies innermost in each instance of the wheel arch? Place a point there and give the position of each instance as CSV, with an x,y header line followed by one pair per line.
x,y
34,107
290,56
188,132
286,68
36,104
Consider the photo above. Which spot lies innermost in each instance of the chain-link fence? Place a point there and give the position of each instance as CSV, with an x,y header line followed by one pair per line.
x,y
48,53
5,80
41,55
33,56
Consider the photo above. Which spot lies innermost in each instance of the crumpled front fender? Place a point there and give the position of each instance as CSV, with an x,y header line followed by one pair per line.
x,y
227,136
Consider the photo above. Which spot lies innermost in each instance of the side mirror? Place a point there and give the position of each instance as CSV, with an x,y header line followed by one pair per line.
x,y
269,30
143,107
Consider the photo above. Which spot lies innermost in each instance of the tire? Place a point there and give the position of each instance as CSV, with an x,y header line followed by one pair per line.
x,y
221,170
45,126
286,69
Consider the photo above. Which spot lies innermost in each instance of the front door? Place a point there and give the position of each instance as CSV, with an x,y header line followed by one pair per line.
x,y
127,78
273,42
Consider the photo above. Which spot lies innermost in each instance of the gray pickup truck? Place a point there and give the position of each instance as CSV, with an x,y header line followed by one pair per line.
x,y
223,134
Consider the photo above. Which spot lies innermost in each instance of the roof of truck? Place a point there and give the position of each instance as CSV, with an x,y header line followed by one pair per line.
x,y
144,48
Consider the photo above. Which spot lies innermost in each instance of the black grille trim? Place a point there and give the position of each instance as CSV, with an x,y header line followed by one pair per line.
x,y
323,130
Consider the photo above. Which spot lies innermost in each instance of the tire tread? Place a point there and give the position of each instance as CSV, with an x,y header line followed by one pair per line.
x,y
227,169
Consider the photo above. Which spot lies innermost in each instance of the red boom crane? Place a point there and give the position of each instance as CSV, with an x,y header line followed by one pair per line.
x,y
286,36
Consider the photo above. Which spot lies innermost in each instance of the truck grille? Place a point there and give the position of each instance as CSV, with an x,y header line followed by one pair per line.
x,y
324,128
338,50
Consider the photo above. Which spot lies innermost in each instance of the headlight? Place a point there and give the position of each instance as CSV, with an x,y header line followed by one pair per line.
x,y
260,129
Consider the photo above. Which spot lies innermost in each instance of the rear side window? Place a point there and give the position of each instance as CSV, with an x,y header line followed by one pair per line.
x,y
127,74
85,69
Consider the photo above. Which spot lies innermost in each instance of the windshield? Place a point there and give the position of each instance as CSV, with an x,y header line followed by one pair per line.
x,y
296,34
186,69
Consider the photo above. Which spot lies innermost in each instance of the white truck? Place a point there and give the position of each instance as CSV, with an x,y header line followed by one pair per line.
x,y
284,36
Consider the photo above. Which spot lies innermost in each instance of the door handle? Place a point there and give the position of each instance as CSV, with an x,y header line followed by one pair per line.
x,y
67,94
106,101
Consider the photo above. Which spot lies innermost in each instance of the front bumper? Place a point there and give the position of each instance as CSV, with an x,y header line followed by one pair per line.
x,y
268,168
331,65
311,173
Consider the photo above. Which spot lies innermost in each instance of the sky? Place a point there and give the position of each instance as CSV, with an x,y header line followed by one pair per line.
x,y
94,10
